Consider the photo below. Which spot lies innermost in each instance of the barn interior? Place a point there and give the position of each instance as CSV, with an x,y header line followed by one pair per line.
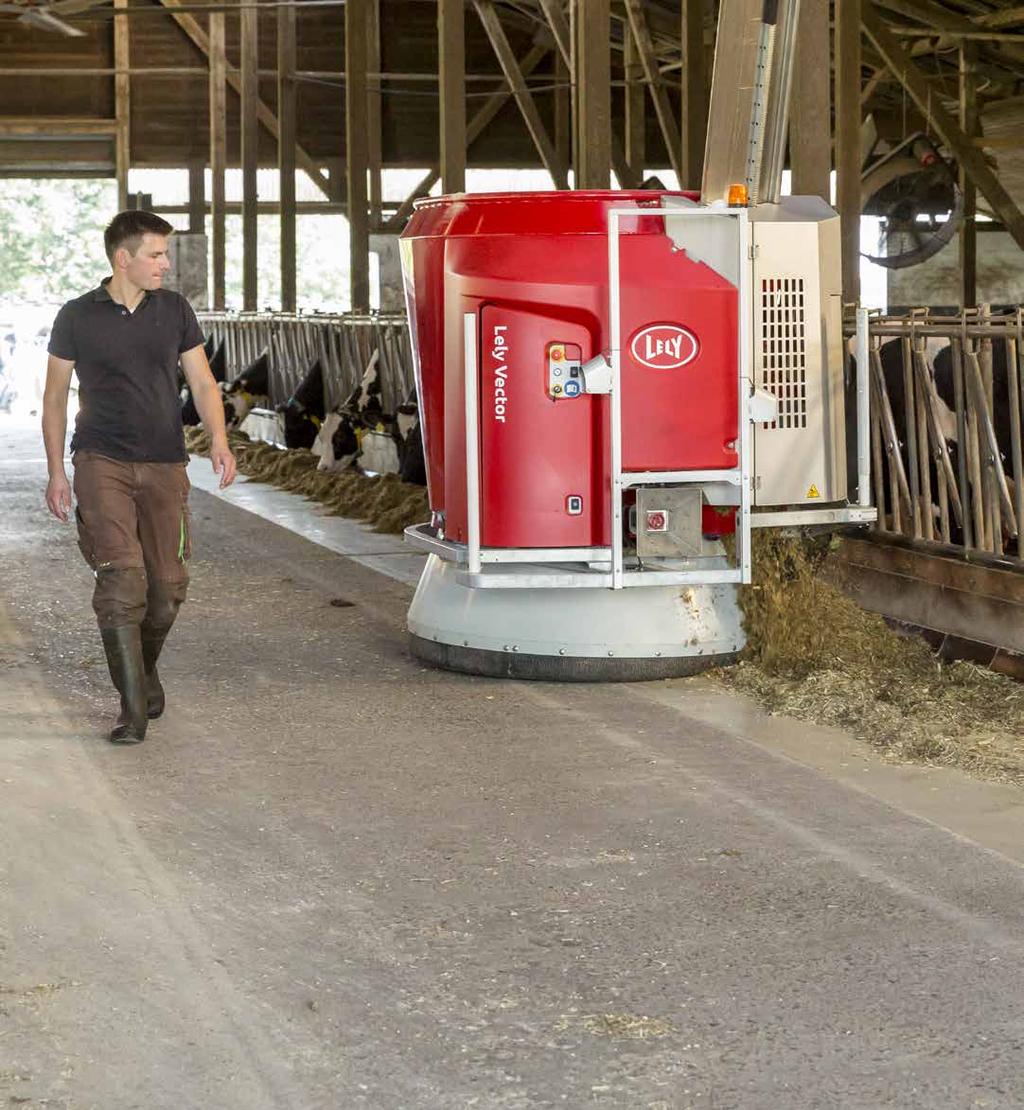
x,y
343,872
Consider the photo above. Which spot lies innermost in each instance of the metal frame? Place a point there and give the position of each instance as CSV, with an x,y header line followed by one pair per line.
x,y
738,476
863,412
976,493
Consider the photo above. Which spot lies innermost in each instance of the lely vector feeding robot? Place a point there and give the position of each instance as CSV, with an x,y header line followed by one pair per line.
x,y
615,388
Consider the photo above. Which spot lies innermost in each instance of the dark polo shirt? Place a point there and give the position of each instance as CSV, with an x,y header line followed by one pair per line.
x,y
127,366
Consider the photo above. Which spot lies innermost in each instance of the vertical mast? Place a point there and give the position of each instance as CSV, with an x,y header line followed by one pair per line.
x,y
749,105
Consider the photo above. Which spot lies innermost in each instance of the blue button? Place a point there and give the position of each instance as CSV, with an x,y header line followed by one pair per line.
x,y
572,389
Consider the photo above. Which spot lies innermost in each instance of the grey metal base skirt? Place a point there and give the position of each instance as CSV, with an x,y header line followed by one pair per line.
x,y
561,668
564,634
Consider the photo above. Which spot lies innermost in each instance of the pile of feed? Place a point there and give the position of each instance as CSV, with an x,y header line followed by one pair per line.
x,y
814,654
385,502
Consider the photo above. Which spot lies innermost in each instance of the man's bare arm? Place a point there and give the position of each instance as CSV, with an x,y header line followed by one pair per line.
x,y
210,406
55,427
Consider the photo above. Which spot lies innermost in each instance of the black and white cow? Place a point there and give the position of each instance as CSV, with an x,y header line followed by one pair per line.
x,y
304,411
1000,394
360,431
939,357
250,389
412,465
218,364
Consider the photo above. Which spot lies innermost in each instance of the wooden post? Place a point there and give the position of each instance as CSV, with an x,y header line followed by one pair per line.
x,y
451,39
248,34
267,118
968,229
810,138
635,100
218,155
591,43
122,103
286,150
520,91
563,110
848,154
667,121
356,152
374,111
695,94
197,197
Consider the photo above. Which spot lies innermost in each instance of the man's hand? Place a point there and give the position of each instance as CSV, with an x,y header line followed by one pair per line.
x,y
58,497
223,464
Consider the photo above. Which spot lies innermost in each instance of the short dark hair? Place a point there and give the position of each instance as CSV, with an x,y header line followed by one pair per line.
x,y
126,229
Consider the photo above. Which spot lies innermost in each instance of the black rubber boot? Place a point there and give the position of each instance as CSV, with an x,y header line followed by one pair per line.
x,y
152,645
123,646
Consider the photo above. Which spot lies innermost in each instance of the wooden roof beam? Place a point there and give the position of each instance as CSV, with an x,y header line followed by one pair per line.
x,y
520,91
56,125
190,25
491,107
659,94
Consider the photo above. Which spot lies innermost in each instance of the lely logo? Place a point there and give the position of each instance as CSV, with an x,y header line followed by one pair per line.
x,y
664,346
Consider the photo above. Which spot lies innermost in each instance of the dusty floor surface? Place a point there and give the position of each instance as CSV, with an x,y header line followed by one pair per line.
x,y
331,878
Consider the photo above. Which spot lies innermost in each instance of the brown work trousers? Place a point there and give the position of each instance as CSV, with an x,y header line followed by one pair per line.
x,y
133,529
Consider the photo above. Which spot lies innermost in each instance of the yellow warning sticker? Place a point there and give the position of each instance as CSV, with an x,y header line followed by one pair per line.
x,y
813,492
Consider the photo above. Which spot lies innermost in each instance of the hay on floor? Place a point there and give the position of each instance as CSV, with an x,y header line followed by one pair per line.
x,y
814,654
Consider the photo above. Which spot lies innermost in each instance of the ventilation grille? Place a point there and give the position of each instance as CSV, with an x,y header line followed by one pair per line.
x,y
783,349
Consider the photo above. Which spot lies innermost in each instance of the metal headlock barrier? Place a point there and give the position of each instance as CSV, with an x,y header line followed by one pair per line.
x,y
345,345
949,473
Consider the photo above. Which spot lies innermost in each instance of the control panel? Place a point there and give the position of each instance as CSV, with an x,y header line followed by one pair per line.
x,y
565,374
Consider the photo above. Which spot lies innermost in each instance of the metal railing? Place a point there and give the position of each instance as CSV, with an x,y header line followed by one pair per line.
x,y
345,345
949,472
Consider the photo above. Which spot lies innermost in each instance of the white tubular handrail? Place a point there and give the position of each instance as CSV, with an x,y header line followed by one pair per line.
x,y
740,475
471,386
863,412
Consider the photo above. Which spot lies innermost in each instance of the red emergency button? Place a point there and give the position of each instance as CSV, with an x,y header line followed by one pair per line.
x,y
656,521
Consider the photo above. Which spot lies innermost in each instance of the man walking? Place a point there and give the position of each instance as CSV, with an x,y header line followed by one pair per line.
x,y
126,339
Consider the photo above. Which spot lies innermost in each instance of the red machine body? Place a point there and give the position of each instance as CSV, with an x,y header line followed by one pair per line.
x,y
533,268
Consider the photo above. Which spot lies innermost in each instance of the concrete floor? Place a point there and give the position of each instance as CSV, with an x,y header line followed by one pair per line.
x,y
332,878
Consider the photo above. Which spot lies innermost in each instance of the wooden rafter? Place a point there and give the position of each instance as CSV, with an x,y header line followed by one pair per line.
x,y
266,116
659,94
56,125
939,19
554,12
492,106
520,91
961,146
